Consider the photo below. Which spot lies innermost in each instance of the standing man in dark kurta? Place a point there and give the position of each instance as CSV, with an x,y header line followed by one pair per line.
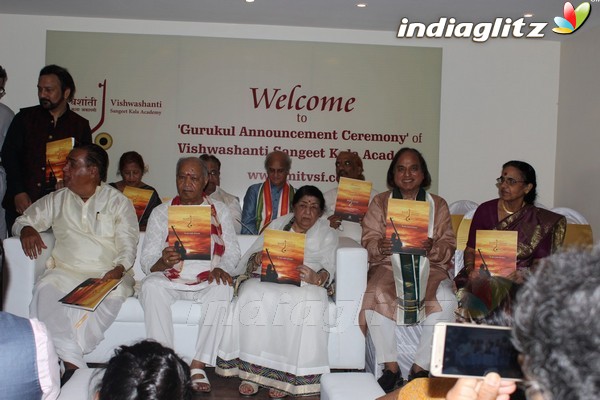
x,y
24,150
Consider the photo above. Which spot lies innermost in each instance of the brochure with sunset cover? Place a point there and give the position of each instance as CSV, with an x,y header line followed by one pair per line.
x,y
56,158
140,199
283,251
189,231
352,200
89,294
498,249
407,225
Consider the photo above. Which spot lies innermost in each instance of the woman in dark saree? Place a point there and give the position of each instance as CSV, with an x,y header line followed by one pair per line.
x,y
540,231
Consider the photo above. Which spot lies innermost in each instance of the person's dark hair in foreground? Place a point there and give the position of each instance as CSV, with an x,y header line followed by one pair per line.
x,y
145,371
557,326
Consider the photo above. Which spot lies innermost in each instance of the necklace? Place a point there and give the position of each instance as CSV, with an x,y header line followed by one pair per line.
x,y
507,210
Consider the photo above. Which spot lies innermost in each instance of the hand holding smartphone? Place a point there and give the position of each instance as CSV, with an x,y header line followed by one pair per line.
x,y
469,350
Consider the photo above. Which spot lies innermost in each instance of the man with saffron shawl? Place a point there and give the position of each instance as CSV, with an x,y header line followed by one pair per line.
x,y
271,199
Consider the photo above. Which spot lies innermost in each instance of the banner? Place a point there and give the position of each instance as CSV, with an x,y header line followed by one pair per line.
x,y
170,96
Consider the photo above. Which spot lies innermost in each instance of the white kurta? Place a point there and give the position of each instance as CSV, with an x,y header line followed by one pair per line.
x,y
158,292
349,229
233,203
92,238
282,329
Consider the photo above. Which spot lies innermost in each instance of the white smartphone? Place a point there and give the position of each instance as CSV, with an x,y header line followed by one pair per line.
x,y
470,350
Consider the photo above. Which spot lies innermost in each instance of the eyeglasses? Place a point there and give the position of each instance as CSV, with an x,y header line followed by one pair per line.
x,y
509,181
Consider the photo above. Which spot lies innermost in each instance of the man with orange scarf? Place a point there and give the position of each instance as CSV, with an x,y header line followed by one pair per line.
x,y
171,277
266,201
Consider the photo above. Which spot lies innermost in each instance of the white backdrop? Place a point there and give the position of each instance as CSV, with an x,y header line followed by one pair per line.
x,y
173,96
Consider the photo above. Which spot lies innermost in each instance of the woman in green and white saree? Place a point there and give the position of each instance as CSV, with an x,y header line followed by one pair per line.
x,y
421,291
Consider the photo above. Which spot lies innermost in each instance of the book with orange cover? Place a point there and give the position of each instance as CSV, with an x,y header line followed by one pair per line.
x,y
498,249
189,231
89,294
140,199
56,158
407,225
283,252
352,200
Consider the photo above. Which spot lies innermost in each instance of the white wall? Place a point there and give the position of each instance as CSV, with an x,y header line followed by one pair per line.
x,y
499,99
577,160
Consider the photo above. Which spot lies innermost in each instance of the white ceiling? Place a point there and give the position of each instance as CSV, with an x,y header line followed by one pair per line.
x,y
379,15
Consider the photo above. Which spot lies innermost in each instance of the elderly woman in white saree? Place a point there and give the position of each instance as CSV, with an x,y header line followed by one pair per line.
x,y
276,334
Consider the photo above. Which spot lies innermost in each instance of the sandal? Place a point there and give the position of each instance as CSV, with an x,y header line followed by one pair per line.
x,y
195,381
276,394
252,385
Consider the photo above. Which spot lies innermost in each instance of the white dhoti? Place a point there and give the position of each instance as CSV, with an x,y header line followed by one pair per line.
x,y
386,334
276,336
158,294
75,332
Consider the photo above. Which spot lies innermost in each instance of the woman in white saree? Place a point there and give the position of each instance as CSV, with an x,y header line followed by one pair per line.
x,y
276,334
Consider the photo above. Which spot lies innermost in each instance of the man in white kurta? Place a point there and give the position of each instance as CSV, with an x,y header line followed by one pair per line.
x,y
215,192
233,203
170,278
348,165
96,233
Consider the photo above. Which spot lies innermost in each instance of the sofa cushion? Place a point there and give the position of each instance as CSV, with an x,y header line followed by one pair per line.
x,y
184,312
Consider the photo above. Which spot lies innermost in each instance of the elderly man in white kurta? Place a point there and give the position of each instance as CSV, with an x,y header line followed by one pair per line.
x,y
169,280
214,191
96,233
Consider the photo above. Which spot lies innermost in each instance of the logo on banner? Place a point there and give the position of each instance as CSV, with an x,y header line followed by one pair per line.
x,y
481,32
122,107
573,18
89,104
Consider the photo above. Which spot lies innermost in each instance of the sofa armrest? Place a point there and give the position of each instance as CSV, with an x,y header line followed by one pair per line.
x,y
351,283
351,270
21,273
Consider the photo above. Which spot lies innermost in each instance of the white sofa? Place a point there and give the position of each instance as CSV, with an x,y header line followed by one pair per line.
x,y
346,341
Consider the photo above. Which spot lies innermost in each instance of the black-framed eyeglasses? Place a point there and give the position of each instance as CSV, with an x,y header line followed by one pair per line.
x,y
510,181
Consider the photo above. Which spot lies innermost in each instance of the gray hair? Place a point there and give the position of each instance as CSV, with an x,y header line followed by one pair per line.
x,y
196,160
287,160
557,325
